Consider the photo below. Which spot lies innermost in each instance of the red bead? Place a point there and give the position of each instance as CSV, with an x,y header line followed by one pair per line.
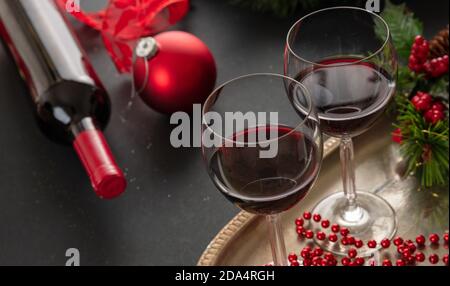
x,y
332,237
292,257
344,241
359,261
309,234
434,238
359,243
344,231
299,222
400,262
387,262
325,223
412,247
317,217
420,257
305,253
411,260
398,240
445,259
321,235
317,261
307,262
300,230
329,256
434,258
307,215
401,248
385,243
350,239
445,236
372,244
438,106
335,228
352,253
317,252
295,263
345,261
420,240
406,254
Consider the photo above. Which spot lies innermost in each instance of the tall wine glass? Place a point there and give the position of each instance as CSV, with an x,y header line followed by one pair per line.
x,y
345,58
261,153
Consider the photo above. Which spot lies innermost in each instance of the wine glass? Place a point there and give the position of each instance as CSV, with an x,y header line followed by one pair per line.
x,y
261,153
345,58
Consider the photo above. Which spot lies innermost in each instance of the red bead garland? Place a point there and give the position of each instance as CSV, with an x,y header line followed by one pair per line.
x,y
407,249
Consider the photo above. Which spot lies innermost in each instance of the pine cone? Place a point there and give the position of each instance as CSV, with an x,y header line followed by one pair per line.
x,y
439,44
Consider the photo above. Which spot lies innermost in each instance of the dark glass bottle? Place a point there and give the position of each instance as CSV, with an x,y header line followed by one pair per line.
x,y
72,106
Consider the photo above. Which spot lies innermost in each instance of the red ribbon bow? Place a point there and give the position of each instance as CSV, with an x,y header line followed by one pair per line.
x,y
123,22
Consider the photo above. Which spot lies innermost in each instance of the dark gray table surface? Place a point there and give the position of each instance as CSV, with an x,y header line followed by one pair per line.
x,y
171,209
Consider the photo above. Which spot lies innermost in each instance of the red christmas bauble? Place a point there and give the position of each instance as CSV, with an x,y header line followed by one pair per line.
x,y
173,71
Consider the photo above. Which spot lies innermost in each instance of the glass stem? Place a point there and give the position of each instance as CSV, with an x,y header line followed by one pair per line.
x,y
352,212
277,240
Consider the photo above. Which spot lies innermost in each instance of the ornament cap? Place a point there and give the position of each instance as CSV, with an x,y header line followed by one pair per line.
x,y
147,48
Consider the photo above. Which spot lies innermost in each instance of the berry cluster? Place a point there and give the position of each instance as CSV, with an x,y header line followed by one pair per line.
x,y
409,252
433,111
419,62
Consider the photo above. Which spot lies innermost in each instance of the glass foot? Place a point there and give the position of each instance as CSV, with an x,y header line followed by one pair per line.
x,y
373,218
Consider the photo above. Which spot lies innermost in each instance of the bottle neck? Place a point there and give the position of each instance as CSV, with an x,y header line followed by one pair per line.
x,y
106,177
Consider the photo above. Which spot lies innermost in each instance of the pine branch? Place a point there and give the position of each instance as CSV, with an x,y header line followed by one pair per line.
x,y
403,27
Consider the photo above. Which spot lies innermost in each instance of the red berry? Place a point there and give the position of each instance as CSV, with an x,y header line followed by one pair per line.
x,y
445,236
397,136
438,106
433,116
292,257
398,240
317,217
406,254
359,243
344,231
422,101
385,243
332,237
420,257
434,238
372,244
295,263
307,215
420,240
445,259
321,235
325,223
309,234
299,221
411,260
387,262
352,253
335,228
345,261
434,258
400,263
300,230
401,248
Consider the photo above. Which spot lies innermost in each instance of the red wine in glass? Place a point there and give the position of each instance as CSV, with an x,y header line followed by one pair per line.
x,y
348,97
266,185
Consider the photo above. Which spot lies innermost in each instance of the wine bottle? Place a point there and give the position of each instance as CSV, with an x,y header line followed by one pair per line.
x,y
72,106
